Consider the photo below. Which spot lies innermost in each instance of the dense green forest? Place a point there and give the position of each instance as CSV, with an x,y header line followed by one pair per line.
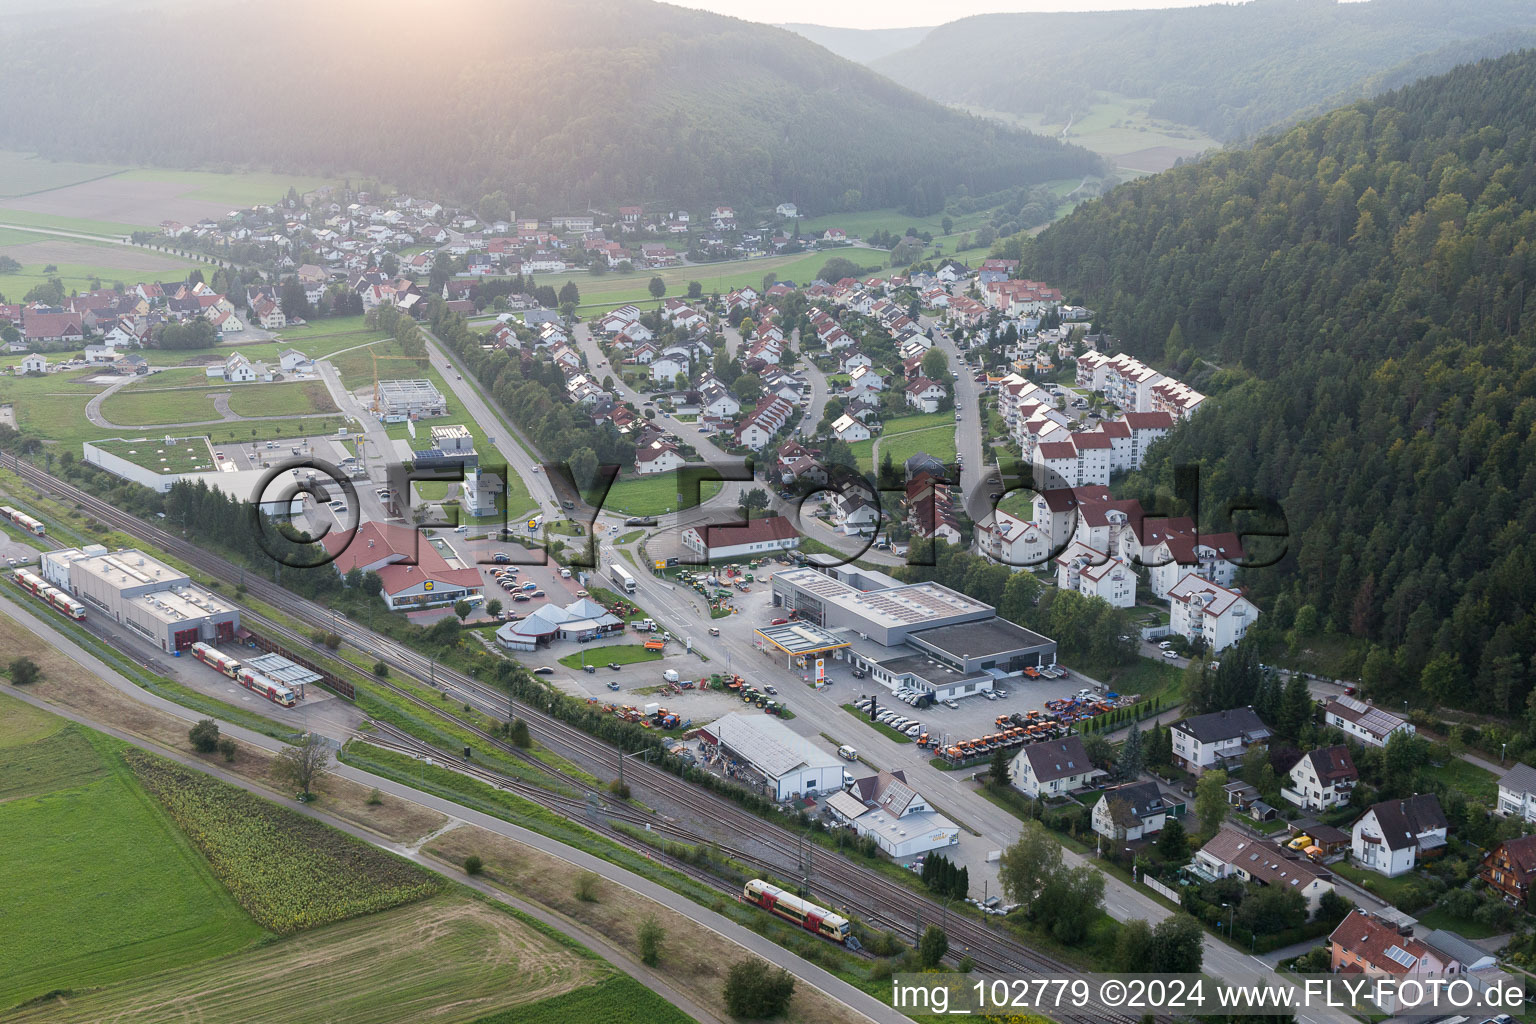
x,y
1367,285
560,106
1232,70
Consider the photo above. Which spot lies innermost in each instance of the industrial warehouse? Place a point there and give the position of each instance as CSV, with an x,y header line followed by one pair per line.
x,y
787,763
395,401
921,636
146,595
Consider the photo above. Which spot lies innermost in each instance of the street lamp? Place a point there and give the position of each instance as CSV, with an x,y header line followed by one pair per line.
x,y
1230,918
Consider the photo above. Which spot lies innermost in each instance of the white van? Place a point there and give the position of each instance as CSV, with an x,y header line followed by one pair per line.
x,y
847,753
670,675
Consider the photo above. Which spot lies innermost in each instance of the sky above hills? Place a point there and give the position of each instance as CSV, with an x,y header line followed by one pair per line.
x,y
906,13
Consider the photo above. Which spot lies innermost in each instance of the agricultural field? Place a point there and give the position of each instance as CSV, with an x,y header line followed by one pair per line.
x,y
618,1000
116,201
289,872
109,888
79,264
1119,127
451,959
864,223
24,173
607,290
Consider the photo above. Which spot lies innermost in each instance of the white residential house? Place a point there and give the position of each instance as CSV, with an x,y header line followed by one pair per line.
x,y
1009,540
853,360
1364,722
1393,835
855,514
1517,792
658,458
32,362
864,379
1201,610
1323,778
716,401
787,210
1212,740
294,361
1096,574
238,369
925,395
1212,556
846,428
665,368
1133,811
1053,768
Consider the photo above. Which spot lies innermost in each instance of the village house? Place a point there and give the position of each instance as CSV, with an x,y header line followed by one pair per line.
x,y
1232,854
1215,739
925,395
1323,778
846,428
1517,792
1365,944
659,457
1510,867
1364,722
1394,835
1053,768
1130,812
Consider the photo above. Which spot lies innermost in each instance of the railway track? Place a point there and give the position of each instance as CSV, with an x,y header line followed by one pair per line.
x,y
864,892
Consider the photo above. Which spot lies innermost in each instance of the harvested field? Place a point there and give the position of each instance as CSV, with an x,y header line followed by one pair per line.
x,y
449,959
65,252
121,200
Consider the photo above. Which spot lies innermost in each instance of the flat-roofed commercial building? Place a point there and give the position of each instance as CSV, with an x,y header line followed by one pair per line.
x,y
146,595
921,636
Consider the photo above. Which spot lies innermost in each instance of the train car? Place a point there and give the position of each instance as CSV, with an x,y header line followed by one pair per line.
x,y
211,657
266,686
26,522
66,604
797,911
30,582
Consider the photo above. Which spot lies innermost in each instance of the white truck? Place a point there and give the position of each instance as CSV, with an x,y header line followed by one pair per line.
x,y
622,577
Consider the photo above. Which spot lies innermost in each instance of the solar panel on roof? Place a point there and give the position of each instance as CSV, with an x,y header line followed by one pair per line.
x,y
1402,956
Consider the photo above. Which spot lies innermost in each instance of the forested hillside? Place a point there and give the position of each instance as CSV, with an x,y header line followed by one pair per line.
x,y
559,105
1232,70
1367,283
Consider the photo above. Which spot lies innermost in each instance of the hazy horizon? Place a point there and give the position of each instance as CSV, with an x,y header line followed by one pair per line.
x,y
892,14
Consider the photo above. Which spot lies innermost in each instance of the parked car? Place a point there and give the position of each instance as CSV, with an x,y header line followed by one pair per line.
x,y
772,691
613,685
521,597
537,594
543,670
778,622
565,574
951,704
1170,654
530,585
1165,644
